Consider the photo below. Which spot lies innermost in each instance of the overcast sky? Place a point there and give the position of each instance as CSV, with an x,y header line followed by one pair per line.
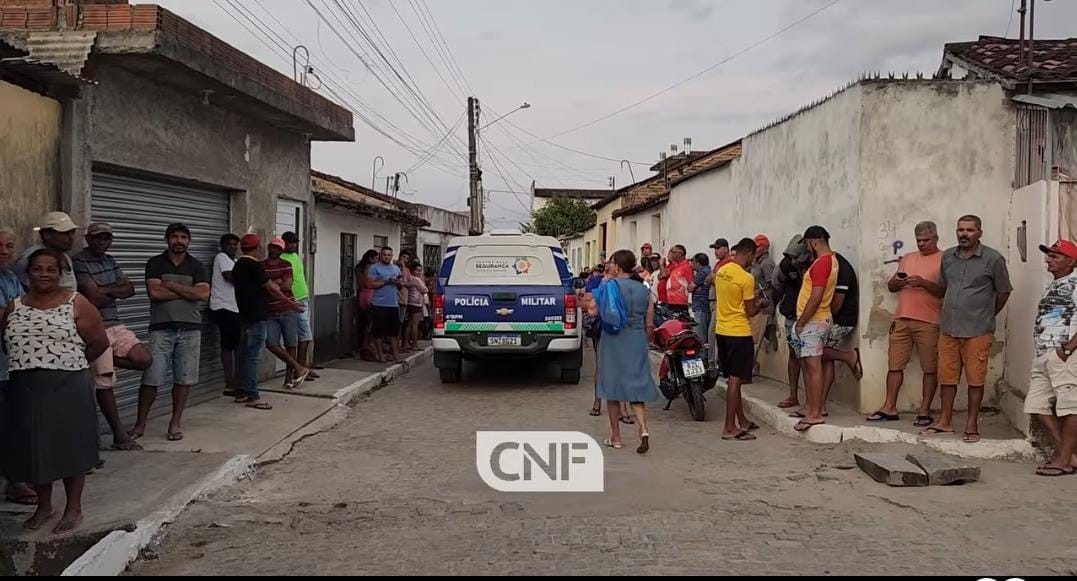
x,y
575,61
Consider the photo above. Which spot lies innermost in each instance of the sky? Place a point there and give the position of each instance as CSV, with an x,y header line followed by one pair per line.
x,y
577,61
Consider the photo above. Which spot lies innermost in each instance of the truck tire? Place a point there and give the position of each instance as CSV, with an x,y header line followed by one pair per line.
x,y
450,367
570,376
450,375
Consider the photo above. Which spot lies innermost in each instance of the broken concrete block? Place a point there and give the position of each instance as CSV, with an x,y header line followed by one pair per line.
x,y
944,470
891,469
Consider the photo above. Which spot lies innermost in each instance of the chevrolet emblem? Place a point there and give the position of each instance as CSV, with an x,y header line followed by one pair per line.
x,y
505,312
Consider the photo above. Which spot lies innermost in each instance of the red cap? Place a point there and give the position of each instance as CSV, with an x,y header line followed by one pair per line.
x,y
278,242
762,240
250,242
1063,247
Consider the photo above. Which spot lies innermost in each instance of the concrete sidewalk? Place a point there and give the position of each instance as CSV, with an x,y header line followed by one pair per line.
x,y
1000,440
136,494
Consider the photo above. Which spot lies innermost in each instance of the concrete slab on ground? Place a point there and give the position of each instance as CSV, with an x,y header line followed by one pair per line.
x,y
891,469
1000,440
223,426
131,486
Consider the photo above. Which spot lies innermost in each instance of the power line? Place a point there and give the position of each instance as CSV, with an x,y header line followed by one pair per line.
x,y
683,82
1013,4
437,145
445,43
438,49
459,95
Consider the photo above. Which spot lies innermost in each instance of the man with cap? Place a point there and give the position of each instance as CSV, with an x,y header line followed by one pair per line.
x,y
178,284
763,271
787,282
254,291
1054,371
646,250
57,232
102,282
976,287
282,326
814,319
301,292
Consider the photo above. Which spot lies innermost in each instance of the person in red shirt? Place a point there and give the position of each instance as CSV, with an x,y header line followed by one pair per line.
x,y
676,275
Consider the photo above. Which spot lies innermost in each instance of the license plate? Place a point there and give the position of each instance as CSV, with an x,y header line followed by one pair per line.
x,y
693,368
504,341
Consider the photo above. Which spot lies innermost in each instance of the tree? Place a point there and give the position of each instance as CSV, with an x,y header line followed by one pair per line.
x,y
561,218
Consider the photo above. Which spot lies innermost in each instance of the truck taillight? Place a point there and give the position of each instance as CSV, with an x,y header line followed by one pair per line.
x,y
439,311
570,311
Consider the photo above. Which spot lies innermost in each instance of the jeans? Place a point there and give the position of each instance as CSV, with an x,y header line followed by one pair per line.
x,y
177,351
250,357
704,324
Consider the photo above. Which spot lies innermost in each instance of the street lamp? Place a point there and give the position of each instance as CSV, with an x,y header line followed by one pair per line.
x,y
520,108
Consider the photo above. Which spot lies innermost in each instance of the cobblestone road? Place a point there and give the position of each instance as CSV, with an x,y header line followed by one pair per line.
x,y
393,490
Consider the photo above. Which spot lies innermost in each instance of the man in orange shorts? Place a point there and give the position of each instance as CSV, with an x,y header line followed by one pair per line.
x,y
976,286
916,324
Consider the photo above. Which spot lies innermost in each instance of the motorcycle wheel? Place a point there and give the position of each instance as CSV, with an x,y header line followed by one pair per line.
x,y
696,403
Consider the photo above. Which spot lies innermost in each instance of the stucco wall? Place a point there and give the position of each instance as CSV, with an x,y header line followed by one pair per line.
x,y
930,150
651,226
331,223
604,216
30,154
138,124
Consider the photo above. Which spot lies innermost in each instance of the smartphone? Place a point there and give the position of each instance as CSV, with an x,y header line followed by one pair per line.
x,y
902,275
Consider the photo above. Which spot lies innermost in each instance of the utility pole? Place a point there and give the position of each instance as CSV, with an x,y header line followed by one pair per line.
x,y
475,201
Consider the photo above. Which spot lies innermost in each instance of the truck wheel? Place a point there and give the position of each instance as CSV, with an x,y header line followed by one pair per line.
x,y
570,376
451,375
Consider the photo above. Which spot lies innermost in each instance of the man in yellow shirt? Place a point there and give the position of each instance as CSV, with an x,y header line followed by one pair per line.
x,y
734,289
813,323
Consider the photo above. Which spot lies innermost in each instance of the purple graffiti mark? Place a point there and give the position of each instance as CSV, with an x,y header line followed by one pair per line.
x,y
898,245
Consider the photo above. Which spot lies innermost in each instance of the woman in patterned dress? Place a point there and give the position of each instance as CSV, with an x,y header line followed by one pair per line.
x,y
52,334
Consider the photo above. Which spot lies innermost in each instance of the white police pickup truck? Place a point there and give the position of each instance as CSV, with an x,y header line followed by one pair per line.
x,y
506,296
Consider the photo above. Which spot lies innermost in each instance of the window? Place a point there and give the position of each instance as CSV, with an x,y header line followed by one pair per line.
x,y
432,257
380,242
602,243
348,243
656,232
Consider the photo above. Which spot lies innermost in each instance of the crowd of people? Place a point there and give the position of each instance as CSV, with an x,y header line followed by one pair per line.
x,y
947,307
64,340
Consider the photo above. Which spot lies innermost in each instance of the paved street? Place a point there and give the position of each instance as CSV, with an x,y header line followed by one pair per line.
x,y
393,490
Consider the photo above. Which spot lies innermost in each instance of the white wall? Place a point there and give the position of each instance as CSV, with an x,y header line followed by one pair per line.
x,y
930,150
331,223
867,164
577,255
651,226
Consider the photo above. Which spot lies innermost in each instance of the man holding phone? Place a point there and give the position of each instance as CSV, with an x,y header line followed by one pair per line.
x,y
916,323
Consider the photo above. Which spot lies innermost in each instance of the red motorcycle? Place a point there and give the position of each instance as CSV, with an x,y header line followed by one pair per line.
x,y
687,370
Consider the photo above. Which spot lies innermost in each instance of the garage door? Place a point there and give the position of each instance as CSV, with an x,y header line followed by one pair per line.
x,y
140,210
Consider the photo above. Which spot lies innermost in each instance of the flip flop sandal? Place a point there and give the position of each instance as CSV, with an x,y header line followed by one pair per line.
x,y
786,404
260,405
923,421
244,399
644,444
628,420
744,436
30,526
595,412
24,500
1054,471
175,436
752,427
971,438
231,393
804,426
883,417
67,527
933,431
128,447
610,444
136,435
802,416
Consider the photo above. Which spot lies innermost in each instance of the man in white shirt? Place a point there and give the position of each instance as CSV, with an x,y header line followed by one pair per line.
x,y
223,310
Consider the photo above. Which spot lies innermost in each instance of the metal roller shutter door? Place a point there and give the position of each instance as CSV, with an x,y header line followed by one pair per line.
x,y
140,209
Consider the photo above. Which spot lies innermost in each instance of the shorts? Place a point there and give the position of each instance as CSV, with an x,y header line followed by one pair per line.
x,y
120,340
303,322
414,310
837,335
385,322
970,354
229,326
790,326
177,351
759,328
282,329
736,356
908,333
812,341
1053,381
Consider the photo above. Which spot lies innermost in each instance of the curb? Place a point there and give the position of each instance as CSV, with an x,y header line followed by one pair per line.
x,y
1014,450
111,555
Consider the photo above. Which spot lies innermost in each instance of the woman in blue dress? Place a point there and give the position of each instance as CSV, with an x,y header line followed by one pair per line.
x,y
624,366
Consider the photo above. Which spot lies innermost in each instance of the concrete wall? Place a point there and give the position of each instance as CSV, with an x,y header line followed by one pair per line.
x,y
138,124
30,154
867,164
444,226
575,250
331,223
930,150
604,216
